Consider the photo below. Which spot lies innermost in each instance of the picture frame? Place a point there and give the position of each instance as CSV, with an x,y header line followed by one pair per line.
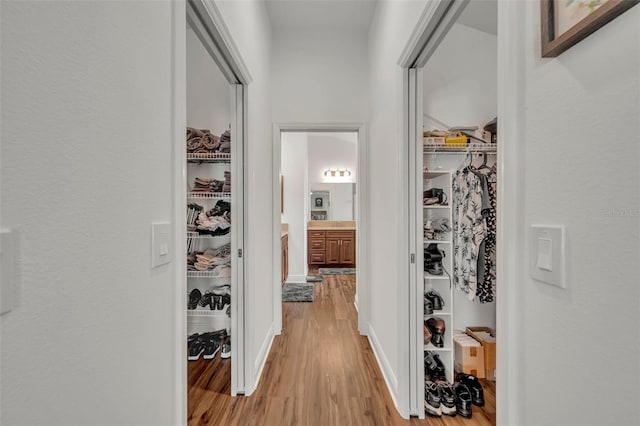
x,y
318,202
567,22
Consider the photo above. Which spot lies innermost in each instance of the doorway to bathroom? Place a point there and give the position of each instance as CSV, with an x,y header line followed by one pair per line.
x,y
319,222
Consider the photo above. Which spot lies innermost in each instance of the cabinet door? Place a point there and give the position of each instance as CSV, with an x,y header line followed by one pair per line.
x,y
332,251
348,251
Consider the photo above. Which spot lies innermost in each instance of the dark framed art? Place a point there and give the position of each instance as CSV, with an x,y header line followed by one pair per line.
x,y
567,22
318,202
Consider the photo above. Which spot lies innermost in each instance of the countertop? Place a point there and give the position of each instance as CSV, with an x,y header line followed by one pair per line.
x,y
284,234
331,225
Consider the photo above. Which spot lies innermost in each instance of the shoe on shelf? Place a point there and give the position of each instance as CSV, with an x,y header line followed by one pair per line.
x,y
475,388
437,327
432,399
194,298
207,300
436,300
434,370
427,334
195,347
463,400
226,349
447,398
433,259
428,306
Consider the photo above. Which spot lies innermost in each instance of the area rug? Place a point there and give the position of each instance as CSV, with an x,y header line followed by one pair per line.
x,y
314,278
297,292
337,271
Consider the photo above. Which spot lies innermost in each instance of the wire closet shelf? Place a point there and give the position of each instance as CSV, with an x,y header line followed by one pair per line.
x,y
489,148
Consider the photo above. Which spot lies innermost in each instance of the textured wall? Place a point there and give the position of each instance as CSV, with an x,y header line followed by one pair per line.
x,y
86,168
581,345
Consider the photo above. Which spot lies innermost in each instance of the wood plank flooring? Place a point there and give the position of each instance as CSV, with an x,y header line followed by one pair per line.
x,y
320,372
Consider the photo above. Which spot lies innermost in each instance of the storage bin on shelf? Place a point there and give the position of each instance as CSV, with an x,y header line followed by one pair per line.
x,y
487,338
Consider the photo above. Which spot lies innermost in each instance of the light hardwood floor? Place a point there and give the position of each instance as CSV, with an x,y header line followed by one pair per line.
x,y
320,372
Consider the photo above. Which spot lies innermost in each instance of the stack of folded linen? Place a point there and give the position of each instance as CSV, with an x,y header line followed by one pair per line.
x,y
207,186
227,182
202,141
225,142
212,225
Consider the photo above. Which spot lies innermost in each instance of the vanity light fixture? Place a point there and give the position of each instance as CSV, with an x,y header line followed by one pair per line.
x,y
337,173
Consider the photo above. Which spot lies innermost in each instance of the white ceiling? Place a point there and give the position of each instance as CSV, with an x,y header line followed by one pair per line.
x,y
321,14
481,15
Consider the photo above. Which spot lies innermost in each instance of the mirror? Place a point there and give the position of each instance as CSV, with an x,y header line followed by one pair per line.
x,y
332,201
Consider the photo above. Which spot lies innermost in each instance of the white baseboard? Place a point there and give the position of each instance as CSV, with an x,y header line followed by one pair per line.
x,y
390,379
261,359
297,279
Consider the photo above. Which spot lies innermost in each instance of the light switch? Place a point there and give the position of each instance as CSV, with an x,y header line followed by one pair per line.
x,y
547,254
7,271
160,243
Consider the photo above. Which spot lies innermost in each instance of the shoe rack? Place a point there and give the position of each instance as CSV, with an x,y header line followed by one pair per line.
x,y
211,317
440,282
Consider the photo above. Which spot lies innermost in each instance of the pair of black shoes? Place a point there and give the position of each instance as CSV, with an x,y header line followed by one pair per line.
x,y
216,302
468,391
432,302
206,345
433,367
433,259
439,399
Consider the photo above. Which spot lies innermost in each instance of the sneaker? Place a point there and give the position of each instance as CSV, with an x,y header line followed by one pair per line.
x,y
194,298
475,388
195,347
226,349
447,399
463,400
432,399
211,348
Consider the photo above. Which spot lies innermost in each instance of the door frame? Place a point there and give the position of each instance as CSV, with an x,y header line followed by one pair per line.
x,y
217,40
362,219
436,20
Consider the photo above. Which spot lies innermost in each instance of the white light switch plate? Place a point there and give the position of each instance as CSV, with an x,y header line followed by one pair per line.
x,y
547,261
7,271
160,244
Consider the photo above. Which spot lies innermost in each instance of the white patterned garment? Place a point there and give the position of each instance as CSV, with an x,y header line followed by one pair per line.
x,y
469,230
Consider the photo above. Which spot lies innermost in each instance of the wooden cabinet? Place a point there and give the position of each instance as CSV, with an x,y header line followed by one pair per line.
x,y
331,247
285,257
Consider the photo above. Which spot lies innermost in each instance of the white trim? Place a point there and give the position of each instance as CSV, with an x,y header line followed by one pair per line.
x,y
261,360
225,41
510,226
387,372
179,171
362,221
297,279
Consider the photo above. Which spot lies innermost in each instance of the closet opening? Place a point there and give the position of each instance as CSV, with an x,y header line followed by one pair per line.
x,y
210,231
319,227
453,91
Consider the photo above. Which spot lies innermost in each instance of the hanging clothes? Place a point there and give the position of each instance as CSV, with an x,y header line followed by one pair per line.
x,y
486,290
469,230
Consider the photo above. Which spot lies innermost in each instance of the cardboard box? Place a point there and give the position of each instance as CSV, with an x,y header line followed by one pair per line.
x,y
433,140
488,346
469,359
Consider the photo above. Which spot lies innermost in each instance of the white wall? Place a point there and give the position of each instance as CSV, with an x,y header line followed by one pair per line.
x,y
208,91
460,82
390,30
319,76
296,189
86,167
333,151
249,25
580,346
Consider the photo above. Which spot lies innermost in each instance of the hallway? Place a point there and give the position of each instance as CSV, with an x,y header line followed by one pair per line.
x,y
319,372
